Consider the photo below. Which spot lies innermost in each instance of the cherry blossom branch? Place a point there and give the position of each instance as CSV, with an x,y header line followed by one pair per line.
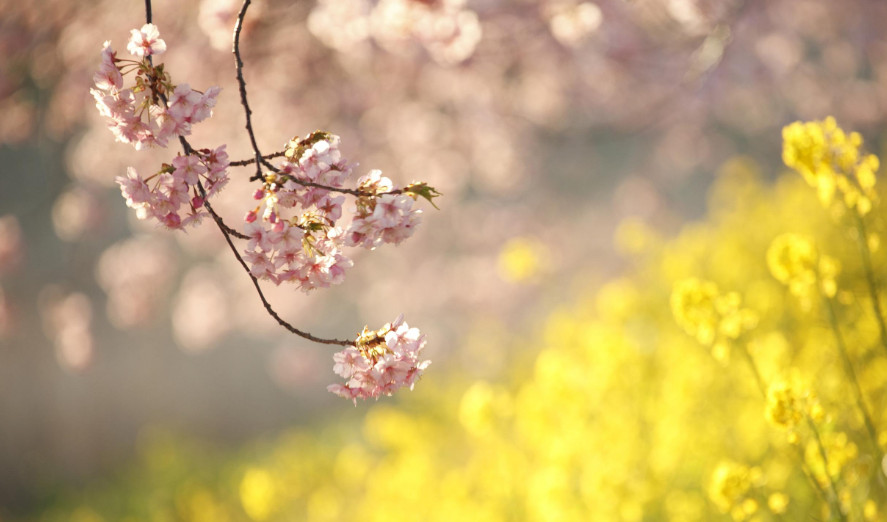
x,y
238,26
227,231
305,250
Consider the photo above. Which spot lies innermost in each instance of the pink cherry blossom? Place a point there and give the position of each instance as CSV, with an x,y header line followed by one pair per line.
x,y
216,163
259,237
134,189
108,76
146,41
188,168
374,182
349,361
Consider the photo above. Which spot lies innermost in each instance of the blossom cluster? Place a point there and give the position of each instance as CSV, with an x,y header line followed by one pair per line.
x,y
153,110
387,218
173,190
380,362
305,247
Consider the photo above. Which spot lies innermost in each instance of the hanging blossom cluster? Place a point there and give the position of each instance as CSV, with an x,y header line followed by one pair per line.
x,y
381,362
381,217
293,234
150,113
298,238
171,196
152,110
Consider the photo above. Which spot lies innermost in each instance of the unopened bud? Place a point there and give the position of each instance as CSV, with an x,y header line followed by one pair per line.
x,y
172,220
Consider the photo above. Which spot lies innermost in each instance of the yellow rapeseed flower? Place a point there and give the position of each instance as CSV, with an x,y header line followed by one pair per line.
x,y
714,319
731,489
694,309
784,408
794,261
258,493
831,161
778,503
521,259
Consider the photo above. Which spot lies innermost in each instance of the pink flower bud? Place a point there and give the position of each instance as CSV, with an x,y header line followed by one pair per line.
x,y
250,216
197,202
172,220
259,193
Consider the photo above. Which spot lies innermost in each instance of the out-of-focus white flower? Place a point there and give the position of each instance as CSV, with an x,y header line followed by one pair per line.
x,y
571,24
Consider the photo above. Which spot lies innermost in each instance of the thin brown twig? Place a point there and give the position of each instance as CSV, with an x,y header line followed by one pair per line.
x,y
243,163
260,160
238,62
353,192
255,281
227,230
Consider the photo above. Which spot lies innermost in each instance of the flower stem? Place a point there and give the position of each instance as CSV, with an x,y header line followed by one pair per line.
x,y
836,501
754,368
801,461
799,454
866,254
829,305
